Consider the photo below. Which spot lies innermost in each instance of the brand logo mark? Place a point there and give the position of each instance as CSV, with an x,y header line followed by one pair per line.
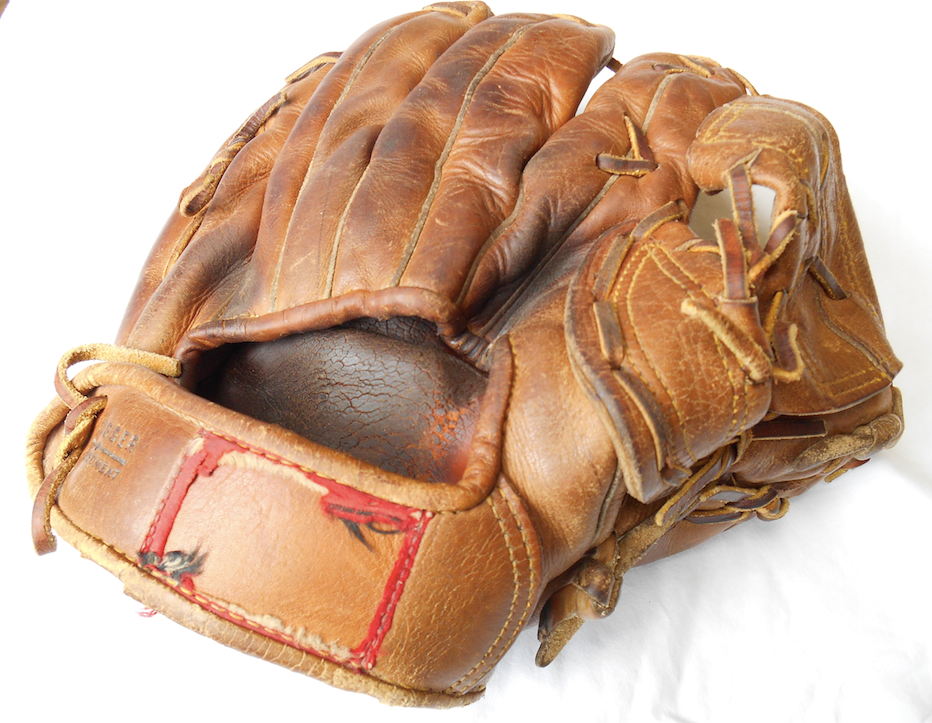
x,y
111,450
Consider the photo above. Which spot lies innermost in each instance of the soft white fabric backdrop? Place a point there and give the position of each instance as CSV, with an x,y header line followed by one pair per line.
x,y
111,108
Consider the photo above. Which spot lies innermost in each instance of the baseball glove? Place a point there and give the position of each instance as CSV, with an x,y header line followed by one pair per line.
x,y
426,354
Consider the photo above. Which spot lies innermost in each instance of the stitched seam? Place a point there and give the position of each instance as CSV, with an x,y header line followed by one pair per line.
x,y
275,458
245,622
374,640
712,134
736,387
448,148
268,455
363,61
625,279
531,576
734,391
110,547
648,256
846,336
302,649
147,541
679,267
332,268
852,269
364,654
463,681
827,389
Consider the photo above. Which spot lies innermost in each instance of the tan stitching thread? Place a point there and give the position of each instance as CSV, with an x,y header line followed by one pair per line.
x,y
527,547
724,359
189,452
147,541
852,266
531,578
626,280
648,255
463,681
304,651
242,621
847,337
110,547
734,394
680,268
722,356
268,455
826,389
396,592
514,597
207,602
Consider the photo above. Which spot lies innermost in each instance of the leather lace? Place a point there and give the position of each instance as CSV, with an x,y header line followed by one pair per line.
x,y
78,411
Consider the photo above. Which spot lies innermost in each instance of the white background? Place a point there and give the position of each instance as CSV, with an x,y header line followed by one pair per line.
x,y
110,108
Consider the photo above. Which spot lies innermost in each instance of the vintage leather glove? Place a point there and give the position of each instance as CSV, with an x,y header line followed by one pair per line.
x,y
429,353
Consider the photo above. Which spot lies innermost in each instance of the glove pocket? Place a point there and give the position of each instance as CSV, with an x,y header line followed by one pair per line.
x,y
293,552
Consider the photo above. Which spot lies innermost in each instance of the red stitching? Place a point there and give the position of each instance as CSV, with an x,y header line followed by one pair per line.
x,y
204,462
243,621
382,621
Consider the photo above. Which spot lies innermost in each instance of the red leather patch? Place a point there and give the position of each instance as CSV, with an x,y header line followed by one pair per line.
x,y
363,516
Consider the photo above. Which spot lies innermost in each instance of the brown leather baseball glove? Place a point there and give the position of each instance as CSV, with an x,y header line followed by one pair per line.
x,y
426,354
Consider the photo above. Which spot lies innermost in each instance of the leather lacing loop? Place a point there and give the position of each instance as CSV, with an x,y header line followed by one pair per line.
x,y
78,412
764,353
195,197
740,504
592,591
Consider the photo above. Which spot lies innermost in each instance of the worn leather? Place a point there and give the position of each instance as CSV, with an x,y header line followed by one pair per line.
x,y
454,358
